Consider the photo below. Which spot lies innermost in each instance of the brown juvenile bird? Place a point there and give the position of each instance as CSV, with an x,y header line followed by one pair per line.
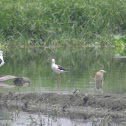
x,y
99,80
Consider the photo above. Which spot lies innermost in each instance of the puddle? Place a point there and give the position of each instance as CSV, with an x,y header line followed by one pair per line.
x,y
19,118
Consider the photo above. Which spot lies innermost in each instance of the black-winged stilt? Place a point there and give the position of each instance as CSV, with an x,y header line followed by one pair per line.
x,y
1,58
99,80
58,69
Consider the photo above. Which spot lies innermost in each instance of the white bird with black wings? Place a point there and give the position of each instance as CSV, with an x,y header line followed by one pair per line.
x,y
58,69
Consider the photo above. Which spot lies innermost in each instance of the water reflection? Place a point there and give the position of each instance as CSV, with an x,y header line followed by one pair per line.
x,y
35,63
19,118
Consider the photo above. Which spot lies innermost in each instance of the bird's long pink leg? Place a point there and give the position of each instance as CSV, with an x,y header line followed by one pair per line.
x,y
59,82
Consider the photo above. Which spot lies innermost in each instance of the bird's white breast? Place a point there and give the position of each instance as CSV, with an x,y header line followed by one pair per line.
x,y
55,69
2,63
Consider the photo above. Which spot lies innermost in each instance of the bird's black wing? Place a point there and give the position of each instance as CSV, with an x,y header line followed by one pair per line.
x,y
61,68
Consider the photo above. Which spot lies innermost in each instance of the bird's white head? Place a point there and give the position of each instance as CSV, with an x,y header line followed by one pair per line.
x,y
53,61
102,71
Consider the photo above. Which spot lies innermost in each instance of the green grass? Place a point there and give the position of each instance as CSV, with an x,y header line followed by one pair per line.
x,y
51,22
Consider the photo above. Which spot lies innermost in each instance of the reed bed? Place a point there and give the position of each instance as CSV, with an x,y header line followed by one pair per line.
x,y
48,22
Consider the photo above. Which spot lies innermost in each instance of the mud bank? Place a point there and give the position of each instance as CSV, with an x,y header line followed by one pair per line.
x,y
77,104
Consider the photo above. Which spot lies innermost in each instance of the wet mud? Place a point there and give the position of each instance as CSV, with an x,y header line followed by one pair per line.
x,y
75,104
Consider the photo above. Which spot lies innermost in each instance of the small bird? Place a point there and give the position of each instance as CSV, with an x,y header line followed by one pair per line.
x,y
99,80
22,81
58,69
1,58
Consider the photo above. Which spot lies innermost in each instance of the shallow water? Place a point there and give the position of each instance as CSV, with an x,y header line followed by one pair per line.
x,y
83,63
22,119
19,118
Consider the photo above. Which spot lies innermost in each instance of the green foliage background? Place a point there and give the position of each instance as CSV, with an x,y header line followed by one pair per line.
x,y
46,22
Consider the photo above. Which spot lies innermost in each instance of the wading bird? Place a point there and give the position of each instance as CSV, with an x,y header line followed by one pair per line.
x,y
58,69
99,80
1,58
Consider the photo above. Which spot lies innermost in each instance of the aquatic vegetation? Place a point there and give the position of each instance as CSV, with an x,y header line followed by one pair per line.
x,y
55,22
120,41
105,121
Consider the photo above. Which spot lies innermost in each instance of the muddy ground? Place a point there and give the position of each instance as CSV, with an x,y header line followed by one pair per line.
x,y
81,105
